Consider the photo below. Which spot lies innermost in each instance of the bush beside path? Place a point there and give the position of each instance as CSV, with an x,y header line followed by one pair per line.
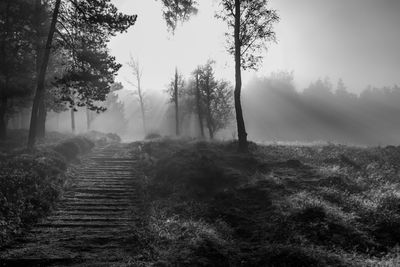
x,y
32,181
92,221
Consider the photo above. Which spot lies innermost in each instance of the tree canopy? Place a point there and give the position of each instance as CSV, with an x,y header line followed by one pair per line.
x,y
255,29
175,11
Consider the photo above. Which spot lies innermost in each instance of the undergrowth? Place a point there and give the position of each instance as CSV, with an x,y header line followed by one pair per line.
x,y
31,182
324,205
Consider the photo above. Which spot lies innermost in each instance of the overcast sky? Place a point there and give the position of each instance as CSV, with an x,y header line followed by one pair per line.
x,y
357,40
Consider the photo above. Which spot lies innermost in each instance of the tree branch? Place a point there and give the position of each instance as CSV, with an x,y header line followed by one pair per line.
x,y
64,39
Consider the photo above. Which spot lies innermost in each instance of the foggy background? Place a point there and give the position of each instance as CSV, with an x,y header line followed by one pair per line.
x,y
333,74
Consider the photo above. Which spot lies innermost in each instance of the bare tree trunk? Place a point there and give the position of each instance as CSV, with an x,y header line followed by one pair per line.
x,y
25,119
198,104
41,124
21,119
143,116
88,119
210,123
3,89
73,120
137,72
58,121
208,105
176,103
141,100
3,118
41,78
242,135
16,121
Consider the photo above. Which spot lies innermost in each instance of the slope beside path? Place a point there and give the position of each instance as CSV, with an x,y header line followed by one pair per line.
x,y
91,224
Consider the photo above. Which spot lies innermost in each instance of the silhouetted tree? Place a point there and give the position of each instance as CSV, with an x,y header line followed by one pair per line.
x,y
137,72
251,22
322,89
221,107
114,106
178,10
41,77
175,90
208,87
216,99
115,115
41,23
341,88
199,109
16,57
85,28
53,97
211,101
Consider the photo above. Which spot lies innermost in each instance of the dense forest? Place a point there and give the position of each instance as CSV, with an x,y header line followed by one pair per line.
x,y
79,77
56,58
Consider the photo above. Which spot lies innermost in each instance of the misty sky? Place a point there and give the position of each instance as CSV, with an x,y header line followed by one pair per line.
x,y
357,40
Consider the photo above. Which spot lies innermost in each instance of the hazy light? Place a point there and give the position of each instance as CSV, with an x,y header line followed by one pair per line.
x,y
355,40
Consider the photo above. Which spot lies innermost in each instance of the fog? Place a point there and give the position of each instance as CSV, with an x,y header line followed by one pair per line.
x,y
275,111
199,133
318,45
324,111
355,41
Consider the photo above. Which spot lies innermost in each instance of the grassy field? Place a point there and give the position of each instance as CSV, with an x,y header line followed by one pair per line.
x,y
322,205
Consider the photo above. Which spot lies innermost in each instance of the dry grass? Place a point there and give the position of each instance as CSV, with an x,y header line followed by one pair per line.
x,y
278,205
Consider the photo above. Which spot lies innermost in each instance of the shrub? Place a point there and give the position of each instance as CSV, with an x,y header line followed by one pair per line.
x,y
113,138
71,148
102,138
67,149
152,135
31,183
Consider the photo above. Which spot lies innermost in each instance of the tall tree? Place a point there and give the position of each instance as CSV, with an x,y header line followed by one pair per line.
x,y
197,74
252,25
221,107
115,115
85,28
52,99
17,61
175,90
41,20
217,99
208,88
39,95
137,72
208,99
73,127
176,101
